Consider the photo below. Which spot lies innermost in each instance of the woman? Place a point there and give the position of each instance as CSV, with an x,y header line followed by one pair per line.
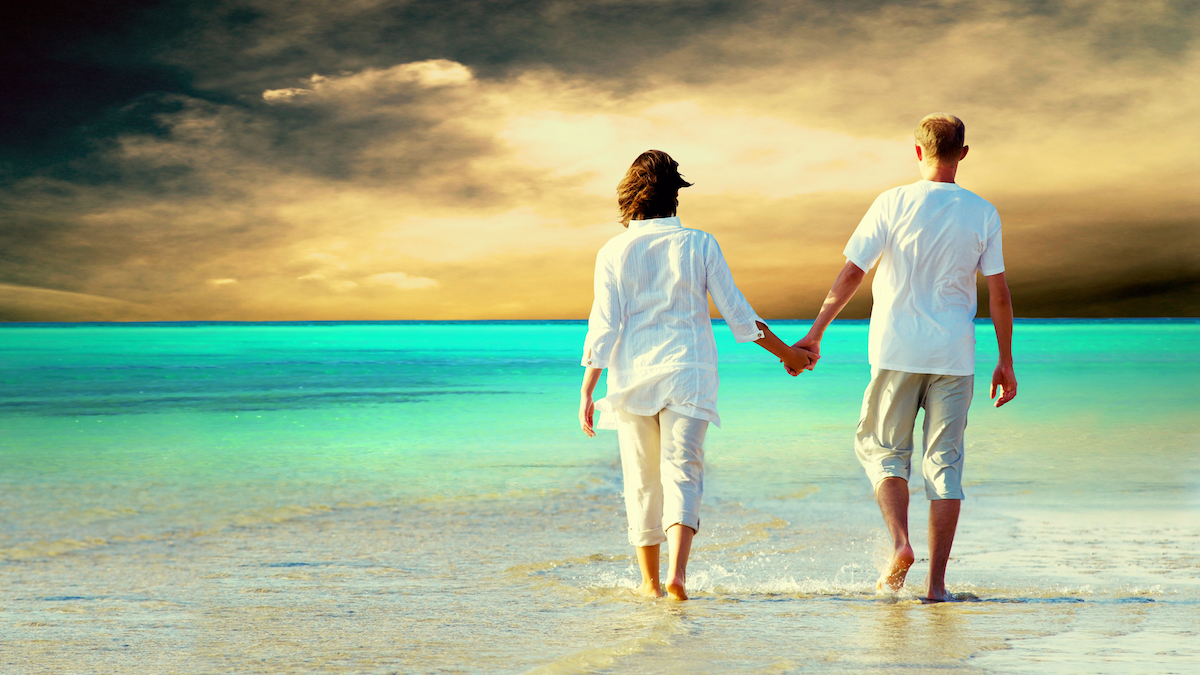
x,y
650,327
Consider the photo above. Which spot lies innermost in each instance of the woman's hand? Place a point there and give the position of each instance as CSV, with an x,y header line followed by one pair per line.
x,y
587,409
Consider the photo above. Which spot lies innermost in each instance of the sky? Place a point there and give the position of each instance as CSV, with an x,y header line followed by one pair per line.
x,y
262,160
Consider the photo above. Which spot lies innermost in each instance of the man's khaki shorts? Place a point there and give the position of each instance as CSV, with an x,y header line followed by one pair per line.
x,y
884,442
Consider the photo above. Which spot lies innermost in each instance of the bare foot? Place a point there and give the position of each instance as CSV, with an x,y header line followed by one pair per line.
x,y
676,591
650,590
939,594
893,579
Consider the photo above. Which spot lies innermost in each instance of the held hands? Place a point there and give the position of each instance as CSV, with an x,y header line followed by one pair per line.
x,y
587,410
1004,378
808,348
797,360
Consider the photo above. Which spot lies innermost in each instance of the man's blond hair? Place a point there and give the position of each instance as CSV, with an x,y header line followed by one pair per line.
x,y
943,136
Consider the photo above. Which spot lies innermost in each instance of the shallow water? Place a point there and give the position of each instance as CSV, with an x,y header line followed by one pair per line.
x,y
417,498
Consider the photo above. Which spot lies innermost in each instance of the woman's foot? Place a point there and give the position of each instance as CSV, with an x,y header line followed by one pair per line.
x,y
650,590
679,541
647,558
676,590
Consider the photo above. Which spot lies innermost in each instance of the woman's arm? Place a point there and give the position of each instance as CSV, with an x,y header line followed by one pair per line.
x,y
794,358
604,321
740,316
745,324
604,324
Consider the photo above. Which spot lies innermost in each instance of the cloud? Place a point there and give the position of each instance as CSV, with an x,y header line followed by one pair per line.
x,y
337,285
401,280
375,82
754,155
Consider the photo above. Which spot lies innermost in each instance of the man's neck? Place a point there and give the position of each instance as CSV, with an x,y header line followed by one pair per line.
x,y
939,173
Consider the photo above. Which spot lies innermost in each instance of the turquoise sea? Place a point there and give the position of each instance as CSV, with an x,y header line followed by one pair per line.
x,y
418,498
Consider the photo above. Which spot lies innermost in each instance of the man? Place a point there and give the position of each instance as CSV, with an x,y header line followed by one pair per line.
x,y
929,238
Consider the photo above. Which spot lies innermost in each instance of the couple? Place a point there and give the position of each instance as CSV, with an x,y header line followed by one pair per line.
x,y
650,327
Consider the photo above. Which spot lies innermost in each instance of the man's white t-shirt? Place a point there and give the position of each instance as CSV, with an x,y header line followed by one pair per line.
x,y
929,239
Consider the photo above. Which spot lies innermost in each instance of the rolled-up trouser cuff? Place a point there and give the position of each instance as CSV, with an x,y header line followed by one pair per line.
x,y
692,520
878,475
933,495
647,537
934,490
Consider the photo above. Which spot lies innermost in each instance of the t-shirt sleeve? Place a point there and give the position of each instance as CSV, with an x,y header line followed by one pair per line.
x,y
992,260
866,244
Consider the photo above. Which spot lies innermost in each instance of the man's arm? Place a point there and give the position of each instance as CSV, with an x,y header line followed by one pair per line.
x,y
1000,308
587,408
844,287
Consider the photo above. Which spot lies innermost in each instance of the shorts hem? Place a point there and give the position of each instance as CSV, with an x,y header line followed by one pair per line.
x,y
935,497
879,477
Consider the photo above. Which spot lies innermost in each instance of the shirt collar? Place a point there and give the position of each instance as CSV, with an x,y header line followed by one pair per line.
x,y
672,221
940,185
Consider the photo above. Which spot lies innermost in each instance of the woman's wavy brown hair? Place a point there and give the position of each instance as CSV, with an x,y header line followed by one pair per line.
x,y
650,189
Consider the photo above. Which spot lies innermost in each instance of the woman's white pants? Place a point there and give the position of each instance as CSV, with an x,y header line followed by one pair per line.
x,y
662,459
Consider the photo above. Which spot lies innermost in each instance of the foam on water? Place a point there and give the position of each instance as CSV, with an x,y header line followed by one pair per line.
x,y
388,497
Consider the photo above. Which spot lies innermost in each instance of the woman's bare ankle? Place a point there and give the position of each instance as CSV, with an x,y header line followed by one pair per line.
x,y
650,589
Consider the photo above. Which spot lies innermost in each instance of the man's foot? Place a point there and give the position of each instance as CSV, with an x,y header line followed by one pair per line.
x,y
676,590
938,594
650,590
892,580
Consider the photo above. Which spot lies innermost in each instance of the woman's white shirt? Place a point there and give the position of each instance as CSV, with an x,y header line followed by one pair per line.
x,y
650,326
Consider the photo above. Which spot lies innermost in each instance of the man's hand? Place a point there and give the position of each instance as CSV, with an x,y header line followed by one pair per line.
x,y
1004,378
812,344
587,410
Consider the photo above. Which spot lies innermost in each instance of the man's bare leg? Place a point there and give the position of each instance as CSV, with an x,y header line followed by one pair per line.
x,y
679,540
943,521
647,557
893,502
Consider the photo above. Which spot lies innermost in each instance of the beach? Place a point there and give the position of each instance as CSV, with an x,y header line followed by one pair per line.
x,y
417,497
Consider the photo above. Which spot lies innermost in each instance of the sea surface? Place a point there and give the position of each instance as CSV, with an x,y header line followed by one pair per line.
x,y
418,498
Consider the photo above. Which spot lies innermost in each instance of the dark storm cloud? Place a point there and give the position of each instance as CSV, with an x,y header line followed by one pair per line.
x,y
67,64
77,73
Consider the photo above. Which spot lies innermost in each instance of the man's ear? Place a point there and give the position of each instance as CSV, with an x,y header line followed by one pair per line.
x,y
964,152
920,152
